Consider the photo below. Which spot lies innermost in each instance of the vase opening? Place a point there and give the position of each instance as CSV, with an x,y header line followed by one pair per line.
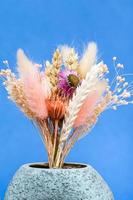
x,y
65,166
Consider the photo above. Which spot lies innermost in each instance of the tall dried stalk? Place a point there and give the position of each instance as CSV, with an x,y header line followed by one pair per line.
x,y
45,133
55,137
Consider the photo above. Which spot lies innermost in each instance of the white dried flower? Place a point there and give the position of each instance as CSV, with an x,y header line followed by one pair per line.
x,y
119,65
114,58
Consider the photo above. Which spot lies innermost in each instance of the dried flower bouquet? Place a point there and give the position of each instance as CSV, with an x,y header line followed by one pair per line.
x,y
66,99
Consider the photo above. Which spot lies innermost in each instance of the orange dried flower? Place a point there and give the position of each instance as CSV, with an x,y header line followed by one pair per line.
x,y
56,107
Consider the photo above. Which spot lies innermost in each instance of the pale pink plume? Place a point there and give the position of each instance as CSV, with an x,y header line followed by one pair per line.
x,y
88,59
46,85
89,105
33,87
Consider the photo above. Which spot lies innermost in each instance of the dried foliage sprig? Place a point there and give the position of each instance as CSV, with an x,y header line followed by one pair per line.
x,y
66,99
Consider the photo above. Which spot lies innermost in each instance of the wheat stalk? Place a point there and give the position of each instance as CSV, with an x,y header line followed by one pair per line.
x,y
53,69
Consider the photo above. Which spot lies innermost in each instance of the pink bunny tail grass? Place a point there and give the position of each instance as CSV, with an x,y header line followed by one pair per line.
x,y
25,67
35,98
90,104
33,88
86,109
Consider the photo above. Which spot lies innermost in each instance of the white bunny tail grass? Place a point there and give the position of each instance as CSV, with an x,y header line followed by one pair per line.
x,y
88,59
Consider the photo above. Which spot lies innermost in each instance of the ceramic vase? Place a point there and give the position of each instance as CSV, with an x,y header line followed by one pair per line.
x,y
73,182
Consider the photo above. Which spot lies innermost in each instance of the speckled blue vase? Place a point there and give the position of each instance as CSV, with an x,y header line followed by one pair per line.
x,y
73,182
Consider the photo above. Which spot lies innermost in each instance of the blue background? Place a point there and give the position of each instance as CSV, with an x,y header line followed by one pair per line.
x,y
38,26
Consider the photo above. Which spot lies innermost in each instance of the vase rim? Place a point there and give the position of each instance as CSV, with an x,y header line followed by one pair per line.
x,y
67,166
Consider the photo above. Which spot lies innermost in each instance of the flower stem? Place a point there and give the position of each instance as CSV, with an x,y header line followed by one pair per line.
x,y
55,142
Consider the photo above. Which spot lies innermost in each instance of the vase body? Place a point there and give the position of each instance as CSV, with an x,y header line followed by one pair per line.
x,y
33,182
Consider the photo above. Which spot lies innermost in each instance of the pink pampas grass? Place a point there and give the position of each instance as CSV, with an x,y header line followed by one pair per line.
x,y
89,104
33,88
86,109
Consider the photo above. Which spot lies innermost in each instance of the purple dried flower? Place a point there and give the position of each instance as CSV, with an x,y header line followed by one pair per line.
x,y
68,81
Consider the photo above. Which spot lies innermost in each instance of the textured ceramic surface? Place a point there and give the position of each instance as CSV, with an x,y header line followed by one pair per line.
x,y
32,183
